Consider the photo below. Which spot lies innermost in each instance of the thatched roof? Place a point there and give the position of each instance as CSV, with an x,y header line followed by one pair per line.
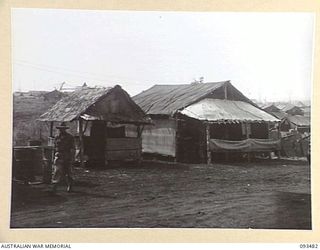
x,y
168,99
87,102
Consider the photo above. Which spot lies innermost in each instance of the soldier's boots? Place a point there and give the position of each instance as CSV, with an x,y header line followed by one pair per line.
x,y
69,187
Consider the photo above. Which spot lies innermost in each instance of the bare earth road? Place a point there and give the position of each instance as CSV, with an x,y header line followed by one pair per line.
x,y
267,194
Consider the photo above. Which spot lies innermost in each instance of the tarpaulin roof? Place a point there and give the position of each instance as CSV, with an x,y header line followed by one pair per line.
x,y
299,120
77,103
226,110
167,99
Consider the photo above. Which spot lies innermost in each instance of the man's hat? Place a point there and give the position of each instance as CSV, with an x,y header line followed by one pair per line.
x,y
62,126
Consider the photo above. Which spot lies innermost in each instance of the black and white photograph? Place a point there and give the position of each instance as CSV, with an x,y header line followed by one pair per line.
x,y
161,119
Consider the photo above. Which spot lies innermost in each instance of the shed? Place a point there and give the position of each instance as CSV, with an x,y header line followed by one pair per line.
x,y
270,107
306,111
101,115
54,96
290,108
299,122
192,121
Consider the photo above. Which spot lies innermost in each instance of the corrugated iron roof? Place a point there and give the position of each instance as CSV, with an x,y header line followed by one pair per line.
x,y
286,106
299,120
279,114
226,110
167,99
268,106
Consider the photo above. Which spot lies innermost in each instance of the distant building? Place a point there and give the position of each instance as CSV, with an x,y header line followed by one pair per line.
x,y
53,96
64,87
298,122
270,108
36,93
290,108
274,110
299,104
306,111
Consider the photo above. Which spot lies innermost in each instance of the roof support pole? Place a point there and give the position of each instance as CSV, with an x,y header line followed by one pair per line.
x,y
176,139
227,135
51,129
225,91
51,141
208,143
268,130
139,133
279,138
51,137
279,130
247,136
80,131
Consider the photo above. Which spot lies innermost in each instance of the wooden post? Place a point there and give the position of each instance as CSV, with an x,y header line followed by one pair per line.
x,y
279,138
208,143
139,134
226,138
50,142
80,131
268,130
51,129
176,139
202,143
139,131
225,92
247,136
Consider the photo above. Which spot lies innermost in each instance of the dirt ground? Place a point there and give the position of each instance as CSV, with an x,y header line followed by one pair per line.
x,y
267,194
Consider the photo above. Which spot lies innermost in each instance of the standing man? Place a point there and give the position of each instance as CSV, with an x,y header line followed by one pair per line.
x,y
63,158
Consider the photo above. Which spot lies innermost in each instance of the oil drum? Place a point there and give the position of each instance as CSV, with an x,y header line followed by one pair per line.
x,y
23,167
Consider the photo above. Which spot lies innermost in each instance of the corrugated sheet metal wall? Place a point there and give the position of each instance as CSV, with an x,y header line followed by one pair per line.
x,y
160,138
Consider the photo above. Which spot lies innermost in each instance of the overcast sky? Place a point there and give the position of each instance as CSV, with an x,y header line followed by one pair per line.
x,y
265,55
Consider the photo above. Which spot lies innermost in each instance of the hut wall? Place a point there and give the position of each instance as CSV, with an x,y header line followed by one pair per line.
x,y
285,126
115,107
95,143
131,130
259,130
232,132
305,129
160,138
191,140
